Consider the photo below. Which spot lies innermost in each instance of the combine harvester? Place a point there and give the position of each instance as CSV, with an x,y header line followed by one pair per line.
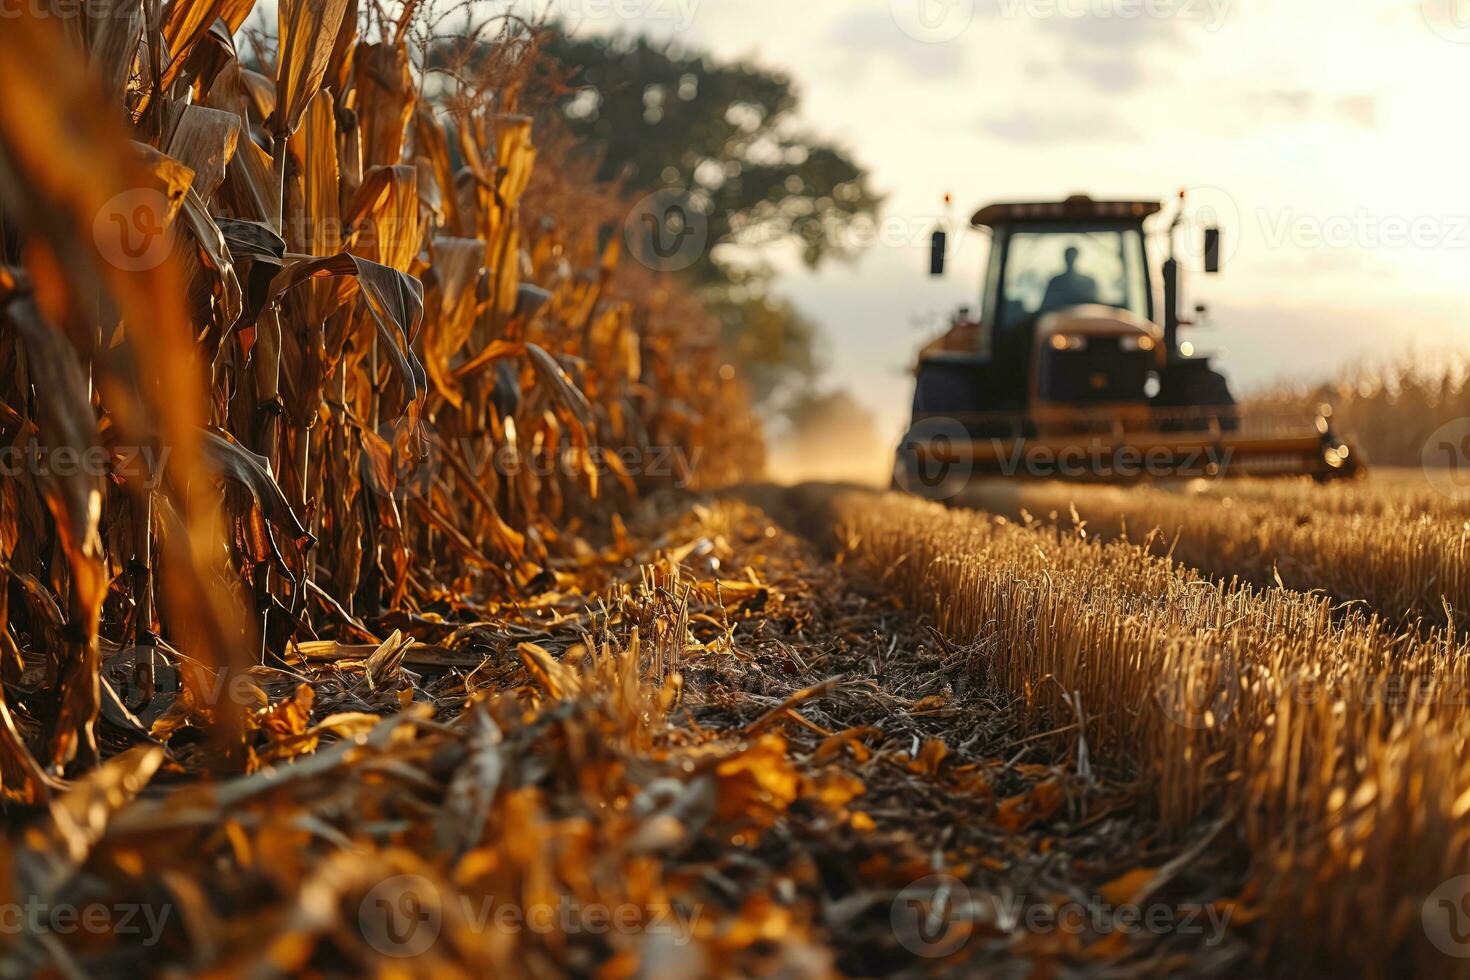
x,y
1073,370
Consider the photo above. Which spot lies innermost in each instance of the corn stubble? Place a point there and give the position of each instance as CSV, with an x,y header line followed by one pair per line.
x,y
1397,545
1335,740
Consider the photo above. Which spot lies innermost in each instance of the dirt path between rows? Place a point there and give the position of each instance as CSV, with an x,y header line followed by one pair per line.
x,y
993,847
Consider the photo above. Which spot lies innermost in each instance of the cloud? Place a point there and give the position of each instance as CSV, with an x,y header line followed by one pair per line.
x,y
1361,109
1118,35
1297,102
863,34
1110,74
1357,110
1115,45
1051,126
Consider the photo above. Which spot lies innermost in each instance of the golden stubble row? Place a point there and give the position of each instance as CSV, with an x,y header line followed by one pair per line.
x,y
1400,548
1335,743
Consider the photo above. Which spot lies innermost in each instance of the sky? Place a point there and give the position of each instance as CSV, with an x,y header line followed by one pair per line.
x,y
1327,137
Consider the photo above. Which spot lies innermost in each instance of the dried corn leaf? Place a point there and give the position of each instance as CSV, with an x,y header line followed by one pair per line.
x,y
307,32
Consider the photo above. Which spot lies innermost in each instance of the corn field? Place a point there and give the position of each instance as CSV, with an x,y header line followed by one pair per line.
x,y
1388,410
388,590
338,313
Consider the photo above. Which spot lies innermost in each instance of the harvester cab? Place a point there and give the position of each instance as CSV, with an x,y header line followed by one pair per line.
x,y
1074,366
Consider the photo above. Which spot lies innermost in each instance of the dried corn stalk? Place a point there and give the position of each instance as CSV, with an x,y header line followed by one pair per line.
x,y
320,359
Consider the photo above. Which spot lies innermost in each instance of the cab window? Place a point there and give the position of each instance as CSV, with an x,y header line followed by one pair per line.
x,y
1054,268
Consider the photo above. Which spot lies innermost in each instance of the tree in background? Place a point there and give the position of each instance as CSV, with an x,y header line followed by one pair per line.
x,y
658,117
770,340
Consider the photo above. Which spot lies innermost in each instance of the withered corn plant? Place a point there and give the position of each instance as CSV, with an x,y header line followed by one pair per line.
x,y
288,349
1394,412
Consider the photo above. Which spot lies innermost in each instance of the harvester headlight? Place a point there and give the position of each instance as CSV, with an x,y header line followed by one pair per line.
x,y
1068,341
1135,342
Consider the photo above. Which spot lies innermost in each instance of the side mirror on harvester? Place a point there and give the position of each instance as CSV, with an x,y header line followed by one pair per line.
x,y
1212,250
937,244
